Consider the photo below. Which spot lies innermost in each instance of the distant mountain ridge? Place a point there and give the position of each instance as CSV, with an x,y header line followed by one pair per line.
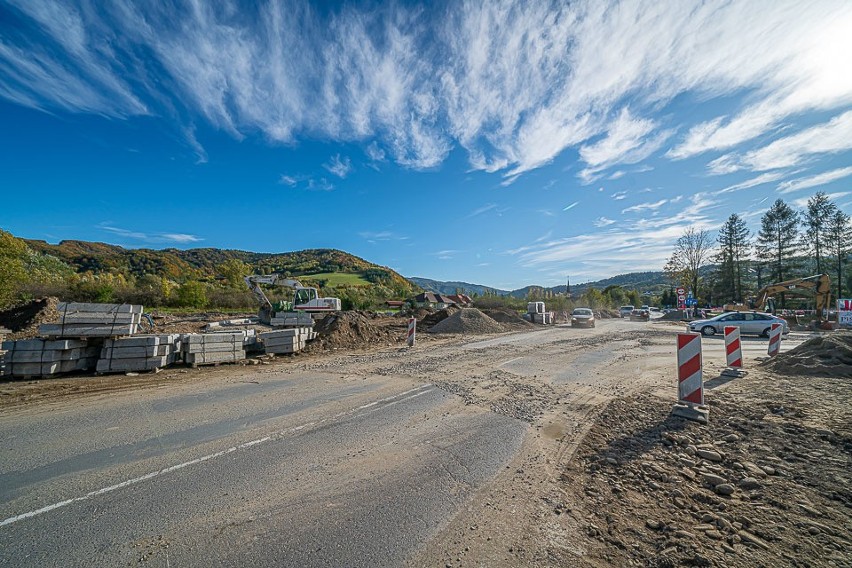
x,y
651,281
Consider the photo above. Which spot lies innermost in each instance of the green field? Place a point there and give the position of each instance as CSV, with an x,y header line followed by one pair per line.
x,y
335,279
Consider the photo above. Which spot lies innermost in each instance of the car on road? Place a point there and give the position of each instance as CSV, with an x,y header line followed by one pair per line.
x,y
756,323
625,311
582,317
640,315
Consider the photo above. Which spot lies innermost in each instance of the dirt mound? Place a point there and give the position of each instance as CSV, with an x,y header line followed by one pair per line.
x,y
829,355
507,317
468,321
25,318
356,330
437,317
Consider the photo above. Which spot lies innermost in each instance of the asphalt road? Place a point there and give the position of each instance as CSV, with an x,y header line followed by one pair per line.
x,y
283,469
330,464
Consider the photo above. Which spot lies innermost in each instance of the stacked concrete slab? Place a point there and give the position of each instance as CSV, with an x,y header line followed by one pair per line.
x,y
292,319
544,318
45,357
139,353
287,340
93,320
212,348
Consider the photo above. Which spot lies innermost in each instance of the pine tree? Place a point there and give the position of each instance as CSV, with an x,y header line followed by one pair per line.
x,y
838,242
816,217
777,241
733,253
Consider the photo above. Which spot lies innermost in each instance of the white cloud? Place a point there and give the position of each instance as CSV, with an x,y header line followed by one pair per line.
x,y
628,140
754,182
814,181
484,209
288,180
603,222
375,153
341,167
155,238
571,206
645,206
619,195
380,236
827,138
421,79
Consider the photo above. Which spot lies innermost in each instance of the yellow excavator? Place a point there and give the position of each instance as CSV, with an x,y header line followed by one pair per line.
x,y
817,286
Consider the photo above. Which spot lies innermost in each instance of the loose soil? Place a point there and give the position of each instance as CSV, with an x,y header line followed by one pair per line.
x,y
23,320
469,321
826,355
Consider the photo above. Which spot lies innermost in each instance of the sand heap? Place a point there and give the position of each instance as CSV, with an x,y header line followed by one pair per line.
x,y
25,318
468,321
508,318
829,355
436,317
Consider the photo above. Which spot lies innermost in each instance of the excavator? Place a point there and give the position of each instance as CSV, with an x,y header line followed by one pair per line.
x,y
818,286
305,299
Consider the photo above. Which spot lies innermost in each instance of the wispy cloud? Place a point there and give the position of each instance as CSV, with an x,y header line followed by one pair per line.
x,y
571,206
603,222
484,209
514,97
827,138
755,181
341,167
305,182
381,236
152,238
814,181
645,206
628,140
619,195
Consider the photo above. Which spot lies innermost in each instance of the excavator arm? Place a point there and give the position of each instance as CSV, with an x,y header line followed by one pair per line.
x,y
254,282
818,286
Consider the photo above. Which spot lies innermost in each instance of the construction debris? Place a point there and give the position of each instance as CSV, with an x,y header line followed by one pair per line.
x,y
287,340
829,356
44,358
213,348
93,320
139,353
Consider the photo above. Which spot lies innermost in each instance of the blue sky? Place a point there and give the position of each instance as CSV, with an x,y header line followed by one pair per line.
x,y
499,143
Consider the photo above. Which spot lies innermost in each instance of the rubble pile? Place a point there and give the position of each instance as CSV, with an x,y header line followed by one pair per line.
x,y
509,318
829,355
355,330
437,317
23,320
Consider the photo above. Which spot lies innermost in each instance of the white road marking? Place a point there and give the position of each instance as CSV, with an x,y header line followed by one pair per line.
x,y
392,400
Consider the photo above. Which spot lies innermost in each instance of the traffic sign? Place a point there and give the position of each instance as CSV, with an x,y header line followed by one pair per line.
x,y
680,291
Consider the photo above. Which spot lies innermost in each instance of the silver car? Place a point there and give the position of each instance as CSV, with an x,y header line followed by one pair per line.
x,y
756,323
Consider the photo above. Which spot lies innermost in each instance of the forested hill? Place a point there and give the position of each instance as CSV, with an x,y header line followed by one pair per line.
x,y
206,263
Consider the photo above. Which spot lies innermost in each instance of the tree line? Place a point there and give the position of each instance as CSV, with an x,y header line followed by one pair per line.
x,y
789,244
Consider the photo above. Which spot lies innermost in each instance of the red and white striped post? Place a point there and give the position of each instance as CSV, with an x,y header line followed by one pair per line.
x,y
733,348
412,331
775,339
690,388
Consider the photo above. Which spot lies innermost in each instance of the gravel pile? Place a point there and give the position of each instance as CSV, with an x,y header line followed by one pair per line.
x,y
436,317
829,355
508,318
468,321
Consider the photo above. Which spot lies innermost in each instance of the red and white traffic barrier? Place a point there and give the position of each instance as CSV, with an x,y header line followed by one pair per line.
x,y
733,347
412,331
775,339
690,389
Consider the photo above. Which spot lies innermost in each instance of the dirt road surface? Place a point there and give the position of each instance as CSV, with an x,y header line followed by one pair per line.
x,y
545,448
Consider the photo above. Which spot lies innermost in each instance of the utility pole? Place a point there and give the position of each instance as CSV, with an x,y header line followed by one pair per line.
x,y
568,287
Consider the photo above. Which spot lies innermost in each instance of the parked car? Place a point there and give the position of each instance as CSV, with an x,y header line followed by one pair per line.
x,y
640,315
756,323
625,311
582,317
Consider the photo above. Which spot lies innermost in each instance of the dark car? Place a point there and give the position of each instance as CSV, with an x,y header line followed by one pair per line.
x,y
582,317
640,315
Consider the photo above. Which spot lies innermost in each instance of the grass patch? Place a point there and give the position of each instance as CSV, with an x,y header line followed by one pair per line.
x,y
334,279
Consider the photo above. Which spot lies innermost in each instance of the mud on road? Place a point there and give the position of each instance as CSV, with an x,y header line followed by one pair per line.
x,y
605,476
